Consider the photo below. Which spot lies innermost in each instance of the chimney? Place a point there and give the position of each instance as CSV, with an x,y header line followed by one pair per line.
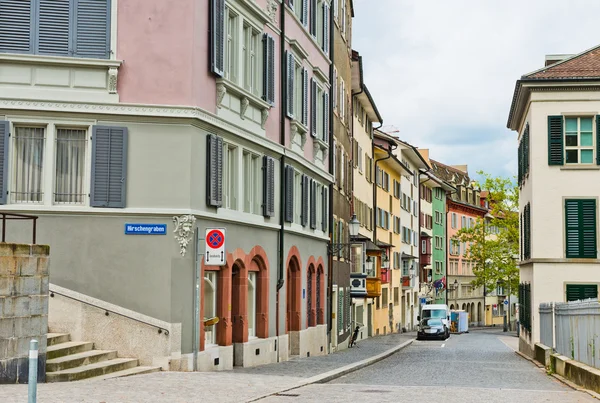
x,y
462,168
424,153
552,59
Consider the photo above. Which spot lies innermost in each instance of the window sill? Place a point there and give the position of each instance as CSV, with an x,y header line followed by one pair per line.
x,y
578,167
298,134
59,60
247,98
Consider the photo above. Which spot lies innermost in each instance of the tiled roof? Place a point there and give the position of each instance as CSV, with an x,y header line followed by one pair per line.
x,y
449,174
583,65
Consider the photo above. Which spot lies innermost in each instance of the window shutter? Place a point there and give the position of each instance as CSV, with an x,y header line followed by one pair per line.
x,y
305,97
588,228
268,186
217,37
4,147
572,228
335,8
527,231
53,27
214,171
290,85
326,28
313,17
269,69
520,164
289,193
305,12
325,205
555,140
526,151
313,204
326,117
109,166
15,26
92,28
335,86
597,139
577,292
313,107
305,200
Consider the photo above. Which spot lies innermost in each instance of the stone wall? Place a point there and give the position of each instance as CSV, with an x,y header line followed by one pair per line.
x,y
23,309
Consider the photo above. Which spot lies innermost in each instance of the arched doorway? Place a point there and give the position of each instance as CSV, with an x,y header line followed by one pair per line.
x,y
452,307
311,296
239,302
473,312
320,296
464,307
294,291
479,313
258,292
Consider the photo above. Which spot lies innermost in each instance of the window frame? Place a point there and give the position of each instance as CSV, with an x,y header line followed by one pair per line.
x,y
579,148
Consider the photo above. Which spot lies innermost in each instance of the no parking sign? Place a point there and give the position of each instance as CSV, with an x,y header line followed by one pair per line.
x,y
214,254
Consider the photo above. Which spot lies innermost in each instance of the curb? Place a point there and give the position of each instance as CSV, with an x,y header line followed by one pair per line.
x,y
339,372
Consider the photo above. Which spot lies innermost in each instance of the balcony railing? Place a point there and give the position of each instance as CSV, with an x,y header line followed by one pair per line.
x,y
425,259
373,287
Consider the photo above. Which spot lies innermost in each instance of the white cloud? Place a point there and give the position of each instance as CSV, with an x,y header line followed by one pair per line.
x,y
443,72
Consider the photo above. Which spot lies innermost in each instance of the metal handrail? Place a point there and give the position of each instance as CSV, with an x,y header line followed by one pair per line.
x,y
106,311
15,216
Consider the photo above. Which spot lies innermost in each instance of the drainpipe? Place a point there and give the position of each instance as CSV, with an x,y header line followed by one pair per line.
x,y
447,245
280,249
330,201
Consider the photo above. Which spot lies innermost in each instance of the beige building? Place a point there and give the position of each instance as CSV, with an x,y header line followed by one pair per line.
x,y
556,113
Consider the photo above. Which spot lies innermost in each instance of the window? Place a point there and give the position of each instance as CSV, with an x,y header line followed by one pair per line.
x,y
360,160
252,193
580,228
463,222
453,220
397,191
252,304
579,141
396,295
230,175
56,27
251,59
369,168
28,165
71,145
577,292
231,45
386,181
384,297
210,306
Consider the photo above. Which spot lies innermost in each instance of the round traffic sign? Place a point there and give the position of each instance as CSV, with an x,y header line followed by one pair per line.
x,y
505,302
215,239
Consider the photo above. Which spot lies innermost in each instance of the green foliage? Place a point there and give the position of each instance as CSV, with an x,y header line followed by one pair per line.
x,y
494,241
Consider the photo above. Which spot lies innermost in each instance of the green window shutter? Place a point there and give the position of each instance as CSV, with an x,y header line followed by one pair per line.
x,y
597,139
4,147
269,69
54,27
555,140
572,228
526,151
92,29
577,292
520,164
527,231
16,26
587,232
217,37
109,166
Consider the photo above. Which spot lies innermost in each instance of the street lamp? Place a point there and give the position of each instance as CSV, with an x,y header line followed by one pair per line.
x,y
456,293
353,227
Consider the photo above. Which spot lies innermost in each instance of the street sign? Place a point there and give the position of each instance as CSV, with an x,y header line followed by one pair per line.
x,y
423,300
145,229
214,252
505,302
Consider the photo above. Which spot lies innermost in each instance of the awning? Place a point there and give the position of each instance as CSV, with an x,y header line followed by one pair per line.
x,y
407,256
384,245
370,246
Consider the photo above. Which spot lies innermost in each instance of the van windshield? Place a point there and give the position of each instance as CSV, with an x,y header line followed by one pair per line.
x,y
434,313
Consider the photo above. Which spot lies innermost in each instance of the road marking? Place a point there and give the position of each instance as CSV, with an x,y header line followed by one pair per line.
x,y
443,345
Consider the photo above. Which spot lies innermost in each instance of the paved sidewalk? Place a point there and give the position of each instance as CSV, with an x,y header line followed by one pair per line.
x,y
239,385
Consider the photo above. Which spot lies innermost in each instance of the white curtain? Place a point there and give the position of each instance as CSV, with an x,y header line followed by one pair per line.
x,y
28,165
70,166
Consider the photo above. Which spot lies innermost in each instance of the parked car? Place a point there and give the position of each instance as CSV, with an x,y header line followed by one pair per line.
x,y
432,328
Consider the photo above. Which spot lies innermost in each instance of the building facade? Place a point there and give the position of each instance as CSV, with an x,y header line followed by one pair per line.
x,y
556,115
101,112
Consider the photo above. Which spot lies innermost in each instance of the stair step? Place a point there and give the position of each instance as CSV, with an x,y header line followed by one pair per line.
x,y
128,372
92,370
57,338
79,359
67,348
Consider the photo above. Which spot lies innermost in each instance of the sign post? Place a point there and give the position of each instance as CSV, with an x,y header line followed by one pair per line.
x,y
214,252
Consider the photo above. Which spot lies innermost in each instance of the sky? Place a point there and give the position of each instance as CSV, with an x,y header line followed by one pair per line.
x,y
443,72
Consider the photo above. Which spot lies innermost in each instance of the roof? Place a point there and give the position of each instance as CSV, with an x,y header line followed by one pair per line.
x,y
449,174
360,90
582,65
417,158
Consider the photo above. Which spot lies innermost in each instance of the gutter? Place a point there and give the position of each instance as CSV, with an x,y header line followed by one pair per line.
x,y
330,201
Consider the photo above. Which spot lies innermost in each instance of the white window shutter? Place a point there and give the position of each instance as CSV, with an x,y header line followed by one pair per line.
x,y
326,117
290,84
313,107
305,97
4,149
326,28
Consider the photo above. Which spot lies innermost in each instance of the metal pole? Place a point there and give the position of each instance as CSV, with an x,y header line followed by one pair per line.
x,y
196,321
509,306
33,369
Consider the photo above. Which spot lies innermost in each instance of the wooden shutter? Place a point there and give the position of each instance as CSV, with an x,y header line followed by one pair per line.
x,y
526,152
305,200
217,37
597,139
520,164
304,13
326,117
313,204
289,193
269,69
290,85
313,107
555,140
325,208
313,17
92,28
109,166
577,292
580,226
54,27
305,97
268,186
15,26
4,147
326,28
527,231
214,170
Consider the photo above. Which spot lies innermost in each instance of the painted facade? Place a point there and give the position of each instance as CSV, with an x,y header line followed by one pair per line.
x,y
99,134
555,113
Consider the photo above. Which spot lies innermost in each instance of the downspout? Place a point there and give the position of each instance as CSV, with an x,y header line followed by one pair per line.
x,y
283,91
330,201
447,244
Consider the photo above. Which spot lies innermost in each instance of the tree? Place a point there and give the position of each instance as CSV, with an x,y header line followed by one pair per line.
x,y
494,241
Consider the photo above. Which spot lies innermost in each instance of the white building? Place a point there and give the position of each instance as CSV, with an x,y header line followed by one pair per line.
x,y
556,112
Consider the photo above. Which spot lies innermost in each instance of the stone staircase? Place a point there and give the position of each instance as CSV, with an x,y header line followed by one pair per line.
x,y
75,360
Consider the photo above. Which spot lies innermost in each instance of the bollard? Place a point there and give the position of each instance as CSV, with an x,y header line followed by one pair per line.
x,y
33,370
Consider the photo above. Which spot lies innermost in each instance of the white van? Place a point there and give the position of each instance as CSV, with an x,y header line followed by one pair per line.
x,y
439,311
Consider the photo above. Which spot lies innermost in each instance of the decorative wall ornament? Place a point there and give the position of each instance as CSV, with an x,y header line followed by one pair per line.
x,y
184,230
293,133
272,10
318,155
112,80
244,105
221,90
264,117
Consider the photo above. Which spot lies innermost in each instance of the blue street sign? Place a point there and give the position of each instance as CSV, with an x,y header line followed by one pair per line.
x,y
505,302
423,300
145,229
